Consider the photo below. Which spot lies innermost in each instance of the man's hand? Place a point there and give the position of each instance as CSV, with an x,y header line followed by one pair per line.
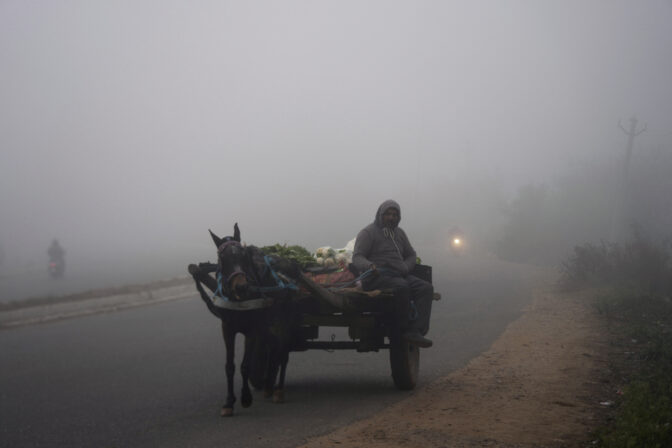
x,y
372,268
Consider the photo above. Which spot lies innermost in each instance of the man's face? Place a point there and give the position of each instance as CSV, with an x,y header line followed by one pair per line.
x,y
391,217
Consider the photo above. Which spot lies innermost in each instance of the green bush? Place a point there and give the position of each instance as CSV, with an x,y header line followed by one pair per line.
x,y
644,420
634,278
644,414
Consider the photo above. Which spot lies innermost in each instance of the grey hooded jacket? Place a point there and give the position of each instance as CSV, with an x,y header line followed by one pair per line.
x,y
387,248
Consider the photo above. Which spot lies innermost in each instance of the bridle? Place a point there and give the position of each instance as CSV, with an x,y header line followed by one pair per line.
x,y
225,245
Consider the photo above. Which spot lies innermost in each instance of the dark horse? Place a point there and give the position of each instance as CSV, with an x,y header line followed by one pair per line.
x,y
251,298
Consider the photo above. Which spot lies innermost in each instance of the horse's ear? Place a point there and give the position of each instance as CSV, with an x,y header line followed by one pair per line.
x,y
236,232
218,241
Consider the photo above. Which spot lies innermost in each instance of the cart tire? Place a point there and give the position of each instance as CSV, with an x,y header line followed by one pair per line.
x,y
405,363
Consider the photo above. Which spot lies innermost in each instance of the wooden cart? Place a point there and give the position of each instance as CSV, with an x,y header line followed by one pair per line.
x,y
368,316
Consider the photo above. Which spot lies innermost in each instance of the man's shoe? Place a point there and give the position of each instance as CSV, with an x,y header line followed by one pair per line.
x,y
415,338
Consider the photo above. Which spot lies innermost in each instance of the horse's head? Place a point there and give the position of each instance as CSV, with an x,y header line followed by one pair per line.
x,y
233,264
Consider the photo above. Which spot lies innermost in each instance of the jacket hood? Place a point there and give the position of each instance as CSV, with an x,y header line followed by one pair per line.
x,y
383,208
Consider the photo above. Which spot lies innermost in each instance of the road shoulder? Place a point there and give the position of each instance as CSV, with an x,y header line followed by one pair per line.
x,y
39,311
540,384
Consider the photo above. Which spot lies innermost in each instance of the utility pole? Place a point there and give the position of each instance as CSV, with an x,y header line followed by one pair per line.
x,y
631,139
618,211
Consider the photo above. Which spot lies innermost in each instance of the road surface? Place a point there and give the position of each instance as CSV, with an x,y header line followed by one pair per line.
x,y
154,376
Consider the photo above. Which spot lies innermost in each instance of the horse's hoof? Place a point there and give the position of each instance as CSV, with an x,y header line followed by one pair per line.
x,y
246,402
279,396
268,393
226,412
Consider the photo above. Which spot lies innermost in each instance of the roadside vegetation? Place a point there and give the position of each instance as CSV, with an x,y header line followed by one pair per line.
x,y
543,222
632,279
635,284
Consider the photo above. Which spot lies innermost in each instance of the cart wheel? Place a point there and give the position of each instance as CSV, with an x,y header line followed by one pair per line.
x,y
405,363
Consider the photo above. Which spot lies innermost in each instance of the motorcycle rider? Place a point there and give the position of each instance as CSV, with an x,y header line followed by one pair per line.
x,y
56,257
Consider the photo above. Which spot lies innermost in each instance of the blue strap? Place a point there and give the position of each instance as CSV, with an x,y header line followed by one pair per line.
x,y
364,275
280,284
219,292
352,282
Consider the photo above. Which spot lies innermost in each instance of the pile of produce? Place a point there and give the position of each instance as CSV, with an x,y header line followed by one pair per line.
x,y
295,253
329,257
325,256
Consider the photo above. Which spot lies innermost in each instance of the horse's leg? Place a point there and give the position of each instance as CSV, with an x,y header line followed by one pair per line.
x,y
272,371
283,347
246,394
279,392
230,343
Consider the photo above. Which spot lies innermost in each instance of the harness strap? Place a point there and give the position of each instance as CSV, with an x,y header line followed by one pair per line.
x,y
281,285
219,292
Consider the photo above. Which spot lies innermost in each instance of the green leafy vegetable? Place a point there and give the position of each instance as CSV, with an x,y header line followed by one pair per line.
x,y
295,253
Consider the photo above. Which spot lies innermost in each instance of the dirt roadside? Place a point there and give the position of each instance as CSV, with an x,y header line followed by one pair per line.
x,y
541,384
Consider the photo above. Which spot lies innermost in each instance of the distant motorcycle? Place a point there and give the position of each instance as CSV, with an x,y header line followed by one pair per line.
x,y
56,268
457,242
56,259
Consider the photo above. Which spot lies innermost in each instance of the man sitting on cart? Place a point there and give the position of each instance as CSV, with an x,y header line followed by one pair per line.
x,y
383,248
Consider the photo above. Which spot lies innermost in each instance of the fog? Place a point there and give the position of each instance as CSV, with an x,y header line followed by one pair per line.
x,y
127,129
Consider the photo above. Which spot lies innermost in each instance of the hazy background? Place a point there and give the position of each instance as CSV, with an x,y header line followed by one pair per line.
x,y
129,128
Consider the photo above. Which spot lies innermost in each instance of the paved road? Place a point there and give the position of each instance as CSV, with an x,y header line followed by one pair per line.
x,y
154,376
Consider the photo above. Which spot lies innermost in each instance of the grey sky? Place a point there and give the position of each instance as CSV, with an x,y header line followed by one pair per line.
x,y
131,127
